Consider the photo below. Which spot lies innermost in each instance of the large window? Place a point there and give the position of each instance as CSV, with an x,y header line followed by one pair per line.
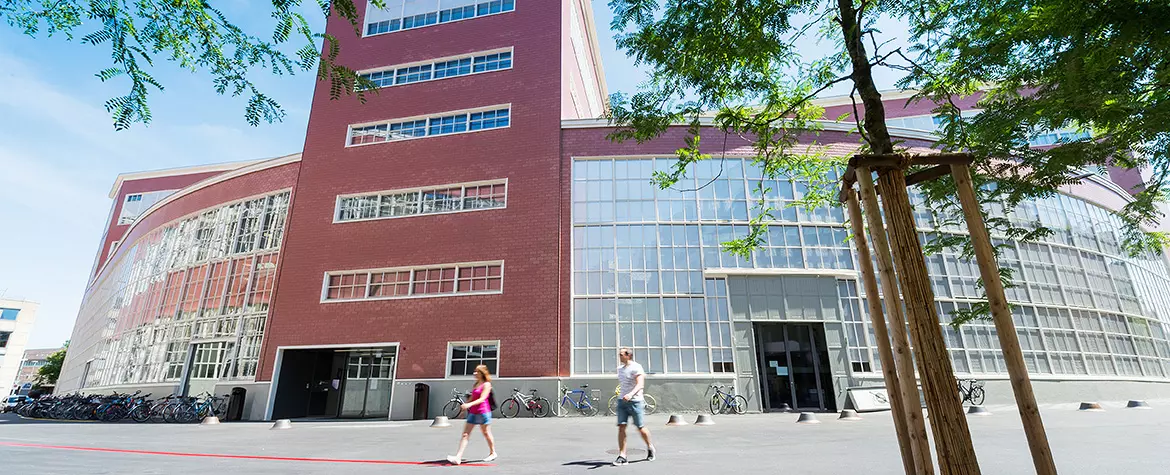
x,y
493,117
407,14
138,203
208,359
9,313
439,69
463,358
640,254
408,282
208,275
419,201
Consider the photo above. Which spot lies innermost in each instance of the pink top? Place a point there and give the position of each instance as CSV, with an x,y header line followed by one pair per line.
x,y
481,408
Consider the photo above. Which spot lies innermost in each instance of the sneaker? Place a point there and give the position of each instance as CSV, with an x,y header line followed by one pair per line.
x,y
490,457
620,461
650,454
453,459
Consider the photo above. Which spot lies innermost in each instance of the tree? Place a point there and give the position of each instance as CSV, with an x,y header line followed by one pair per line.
x,y
196,36
1048,64
1043,64
47,375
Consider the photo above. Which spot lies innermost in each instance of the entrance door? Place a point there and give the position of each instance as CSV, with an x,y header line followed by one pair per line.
x,y
369,379
792,360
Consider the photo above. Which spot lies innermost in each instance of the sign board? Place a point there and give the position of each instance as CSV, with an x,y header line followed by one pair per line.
x,y
869,399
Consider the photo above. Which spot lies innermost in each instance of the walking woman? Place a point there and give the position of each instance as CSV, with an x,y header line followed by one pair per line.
x,y
479,413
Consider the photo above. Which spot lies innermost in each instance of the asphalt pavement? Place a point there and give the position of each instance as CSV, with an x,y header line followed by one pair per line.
x,y
1115,441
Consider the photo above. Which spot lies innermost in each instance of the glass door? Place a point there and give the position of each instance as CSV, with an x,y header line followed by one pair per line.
x,y
790,366
369,378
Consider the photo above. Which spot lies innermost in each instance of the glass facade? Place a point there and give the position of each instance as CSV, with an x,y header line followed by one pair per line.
x,y
203,281
1082,307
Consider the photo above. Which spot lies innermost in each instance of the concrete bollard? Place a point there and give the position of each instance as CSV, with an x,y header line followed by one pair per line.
x,y
209,421
978,411
676,420
849,415
1137,405
704,420
282,424
1091,406
807,418
441,422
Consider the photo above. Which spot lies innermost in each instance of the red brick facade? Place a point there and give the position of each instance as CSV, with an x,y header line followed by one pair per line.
x,y
529,318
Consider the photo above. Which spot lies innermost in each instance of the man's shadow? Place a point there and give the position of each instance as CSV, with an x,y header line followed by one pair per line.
x,y
594,464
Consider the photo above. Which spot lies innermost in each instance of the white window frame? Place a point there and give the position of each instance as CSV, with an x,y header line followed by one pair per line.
x,y
337,203
366,24
451,348
427,118
432,62
412,269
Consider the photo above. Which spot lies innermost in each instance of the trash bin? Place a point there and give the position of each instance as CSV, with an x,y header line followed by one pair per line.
x,y
235,409
422,397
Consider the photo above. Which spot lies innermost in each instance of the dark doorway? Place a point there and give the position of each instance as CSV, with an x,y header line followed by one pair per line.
x,y
794,367
346,383
309,380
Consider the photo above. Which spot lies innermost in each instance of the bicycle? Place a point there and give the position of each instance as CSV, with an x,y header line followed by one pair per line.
x,y
538,406
651,403
582,404
973,392
723,402
454,408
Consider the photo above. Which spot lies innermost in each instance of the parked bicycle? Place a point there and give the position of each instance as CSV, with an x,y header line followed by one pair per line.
x,y
454,408
651,403
972,391
116,407
723,402
538,406
582,404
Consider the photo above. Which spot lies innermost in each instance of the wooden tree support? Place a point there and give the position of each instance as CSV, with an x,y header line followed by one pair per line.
x,y
910,458
905,390
952,437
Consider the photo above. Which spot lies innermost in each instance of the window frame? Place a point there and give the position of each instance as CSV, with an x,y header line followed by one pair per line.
x,y
464,185
450,354
366,24
426,118
413,269
393,68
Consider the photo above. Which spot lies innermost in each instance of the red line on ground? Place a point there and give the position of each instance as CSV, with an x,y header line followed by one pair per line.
x,y
227,456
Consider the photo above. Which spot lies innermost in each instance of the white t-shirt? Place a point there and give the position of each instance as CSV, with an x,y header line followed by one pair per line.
x,y
628,378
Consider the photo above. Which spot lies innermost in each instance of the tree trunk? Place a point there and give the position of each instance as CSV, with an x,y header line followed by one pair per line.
x,y
952,438
874,121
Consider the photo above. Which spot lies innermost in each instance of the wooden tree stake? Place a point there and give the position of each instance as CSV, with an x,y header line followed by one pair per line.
x,y
952,439
878,320
907,382
1009,340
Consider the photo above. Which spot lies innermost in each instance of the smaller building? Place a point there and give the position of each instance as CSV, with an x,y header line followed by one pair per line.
x,y
16,321
29,367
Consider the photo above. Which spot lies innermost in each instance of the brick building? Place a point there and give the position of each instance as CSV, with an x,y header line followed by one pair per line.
x,y
473,211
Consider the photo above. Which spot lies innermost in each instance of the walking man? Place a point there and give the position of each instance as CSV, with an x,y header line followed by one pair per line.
x,y
632,381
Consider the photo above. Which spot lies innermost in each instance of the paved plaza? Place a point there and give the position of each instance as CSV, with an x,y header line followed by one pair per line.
x,y
1116,441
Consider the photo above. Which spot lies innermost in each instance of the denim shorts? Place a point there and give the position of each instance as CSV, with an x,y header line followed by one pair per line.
x,y
484,419
627,409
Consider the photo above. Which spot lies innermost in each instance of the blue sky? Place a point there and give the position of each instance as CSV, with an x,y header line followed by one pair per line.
x,y
59,154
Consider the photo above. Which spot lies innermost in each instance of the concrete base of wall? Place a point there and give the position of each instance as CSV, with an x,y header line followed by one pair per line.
x,y
255,397
999,391
672,394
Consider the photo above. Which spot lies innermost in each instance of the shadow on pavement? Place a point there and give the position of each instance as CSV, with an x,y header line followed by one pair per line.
x,y
595,464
